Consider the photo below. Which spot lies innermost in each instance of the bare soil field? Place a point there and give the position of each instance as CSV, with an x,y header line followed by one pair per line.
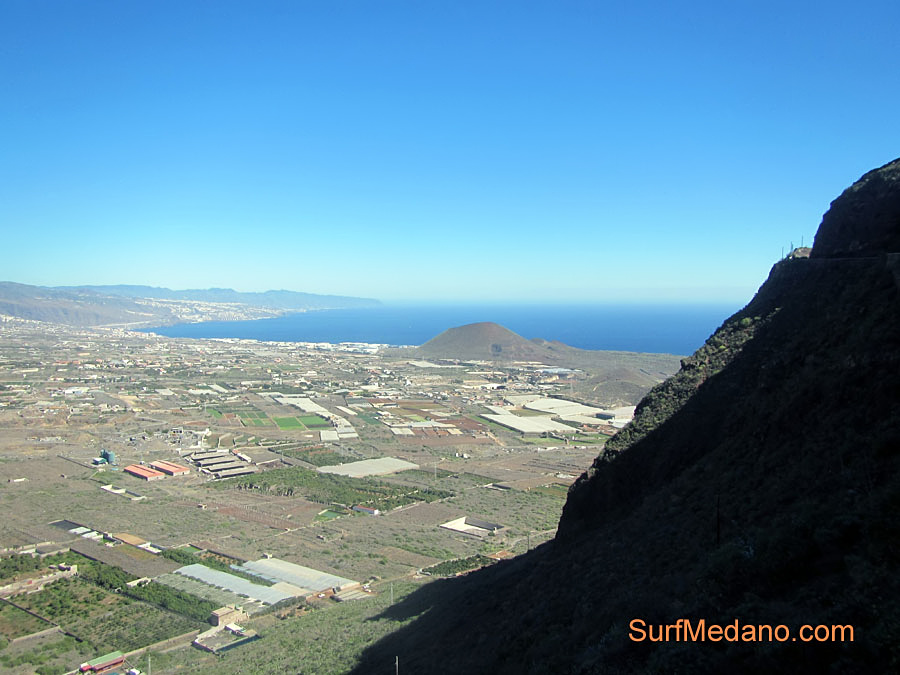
x,y
118,557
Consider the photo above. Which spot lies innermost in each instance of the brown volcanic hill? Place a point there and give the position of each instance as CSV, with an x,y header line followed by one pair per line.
x,y
609,378
483,341
759,486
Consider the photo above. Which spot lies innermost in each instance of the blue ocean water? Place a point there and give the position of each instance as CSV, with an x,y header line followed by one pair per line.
x,y
672,329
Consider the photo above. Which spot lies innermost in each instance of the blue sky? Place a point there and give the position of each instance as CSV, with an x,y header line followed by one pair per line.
x,y
439,151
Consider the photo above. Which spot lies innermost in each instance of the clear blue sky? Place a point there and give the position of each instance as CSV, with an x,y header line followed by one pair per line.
x,y
435,150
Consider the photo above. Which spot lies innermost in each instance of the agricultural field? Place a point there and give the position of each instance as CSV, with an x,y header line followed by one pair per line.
x,y
15,623
328,638
287,509
48,654
97,609
105,619
320,456
450,568
289,423
218,596
333,489
255,419
314,422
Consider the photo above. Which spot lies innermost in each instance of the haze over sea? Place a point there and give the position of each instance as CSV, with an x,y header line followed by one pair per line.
x,y
670,328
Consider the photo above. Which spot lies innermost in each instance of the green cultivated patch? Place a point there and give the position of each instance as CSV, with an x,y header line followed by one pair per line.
x,y
287,423
324,640
329,515
317,455
333,489
450,568
15,622
49,658
314,421
108,618
553,490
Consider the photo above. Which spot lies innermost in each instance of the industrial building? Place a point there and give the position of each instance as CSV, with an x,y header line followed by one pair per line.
x,y
195,457
238,471
226,615
144,472
170,468
229,636
473,526
367,509
209,462
103,664
224,466
530,426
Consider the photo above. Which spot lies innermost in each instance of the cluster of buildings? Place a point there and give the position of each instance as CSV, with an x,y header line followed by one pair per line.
x,y
545,416
341,429
156,470
222,463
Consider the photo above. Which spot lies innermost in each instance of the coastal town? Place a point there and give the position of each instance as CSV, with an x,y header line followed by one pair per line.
x,y
172,498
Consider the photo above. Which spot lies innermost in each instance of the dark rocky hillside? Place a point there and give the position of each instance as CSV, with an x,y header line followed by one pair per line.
x,y
758,484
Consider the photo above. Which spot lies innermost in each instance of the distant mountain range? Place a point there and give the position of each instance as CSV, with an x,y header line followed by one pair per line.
x,y
267,299
147,306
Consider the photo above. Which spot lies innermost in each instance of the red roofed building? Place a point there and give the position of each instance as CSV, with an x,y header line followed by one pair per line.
x,y
144,472
170,468
103,664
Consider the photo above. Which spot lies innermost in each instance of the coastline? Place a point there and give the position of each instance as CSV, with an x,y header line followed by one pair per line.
x,y
664,329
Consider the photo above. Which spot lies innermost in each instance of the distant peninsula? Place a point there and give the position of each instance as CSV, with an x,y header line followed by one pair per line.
x,y
127,306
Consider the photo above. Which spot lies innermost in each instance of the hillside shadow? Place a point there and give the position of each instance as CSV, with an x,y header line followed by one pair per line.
x,y
748,500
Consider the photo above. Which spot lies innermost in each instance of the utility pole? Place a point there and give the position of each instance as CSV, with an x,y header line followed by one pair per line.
x,y
396,665
392,592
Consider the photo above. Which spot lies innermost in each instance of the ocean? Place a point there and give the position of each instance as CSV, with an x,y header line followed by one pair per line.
x,y
672,329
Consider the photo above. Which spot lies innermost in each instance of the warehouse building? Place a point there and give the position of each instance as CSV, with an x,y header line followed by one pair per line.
x,y
225,466
170,468
473,526
103,664
530,426
210,462
226,615
195,457
240,471
144,472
